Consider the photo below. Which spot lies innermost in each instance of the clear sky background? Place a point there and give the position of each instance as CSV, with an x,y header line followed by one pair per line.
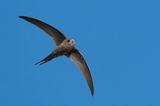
x,y
120,40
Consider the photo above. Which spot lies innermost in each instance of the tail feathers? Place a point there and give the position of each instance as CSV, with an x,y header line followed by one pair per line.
x,y
46,59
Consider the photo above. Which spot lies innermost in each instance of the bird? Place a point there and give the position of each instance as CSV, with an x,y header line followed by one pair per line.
x,y
64,47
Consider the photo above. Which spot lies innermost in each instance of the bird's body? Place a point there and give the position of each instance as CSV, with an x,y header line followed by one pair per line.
x,y
67,44
65,47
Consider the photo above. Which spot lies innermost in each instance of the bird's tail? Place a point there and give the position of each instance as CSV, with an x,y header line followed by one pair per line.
x,y
46,59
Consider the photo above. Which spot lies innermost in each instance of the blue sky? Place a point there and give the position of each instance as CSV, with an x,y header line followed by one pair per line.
x,y
120,40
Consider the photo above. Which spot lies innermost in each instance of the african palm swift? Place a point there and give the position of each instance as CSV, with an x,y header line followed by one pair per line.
x,y
65,47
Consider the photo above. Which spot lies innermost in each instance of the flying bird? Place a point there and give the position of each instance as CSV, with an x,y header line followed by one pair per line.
x,y
64,46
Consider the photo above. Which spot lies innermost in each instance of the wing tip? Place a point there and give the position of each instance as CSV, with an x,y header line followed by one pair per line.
x,y
25,18
92,91
22,17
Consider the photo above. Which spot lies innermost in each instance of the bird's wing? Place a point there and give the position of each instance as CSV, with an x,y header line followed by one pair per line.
x,y
77,57
57,36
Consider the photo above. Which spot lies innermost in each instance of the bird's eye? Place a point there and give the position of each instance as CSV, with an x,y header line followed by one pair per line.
x,y
68,40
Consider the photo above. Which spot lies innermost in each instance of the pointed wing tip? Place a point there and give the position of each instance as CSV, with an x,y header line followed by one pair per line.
x,y
22,17
36,64
25,18
92,91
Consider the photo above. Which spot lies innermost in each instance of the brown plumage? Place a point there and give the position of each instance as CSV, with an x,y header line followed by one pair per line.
x,y
65,47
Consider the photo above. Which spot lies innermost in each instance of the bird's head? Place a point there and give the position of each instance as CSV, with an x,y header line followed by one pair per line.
x,y
71,42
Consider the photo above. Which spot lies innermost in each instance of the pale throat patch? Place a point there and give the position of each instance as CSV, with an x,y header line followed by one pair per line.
x,y
72,42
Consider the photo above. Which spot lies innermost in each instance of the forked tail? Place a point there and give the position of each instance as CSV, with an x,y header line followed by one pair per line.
x,y
46,59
